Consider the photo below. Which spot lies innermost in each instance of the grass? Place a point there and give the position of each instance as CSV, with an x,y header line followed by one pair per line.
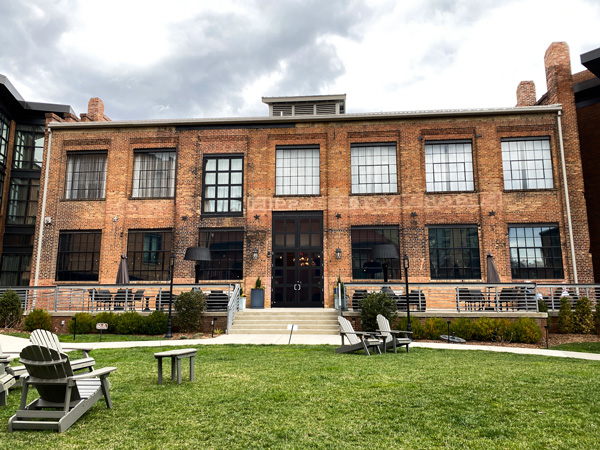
x,y
285,397
587,347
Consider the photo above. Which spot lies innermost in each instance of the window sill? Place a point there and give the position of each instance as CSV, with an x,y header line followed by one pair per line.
x,y
224,214
83,199
152,198
508,191
450,192
369,194
296,195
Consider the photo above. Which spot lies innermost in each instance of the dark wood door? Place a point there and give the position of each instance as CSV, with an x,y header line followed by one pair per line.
x,y
297,260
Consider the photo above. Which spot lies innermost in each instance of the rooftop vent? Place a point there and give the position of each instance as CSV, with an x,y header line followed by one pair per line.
x,y
315,105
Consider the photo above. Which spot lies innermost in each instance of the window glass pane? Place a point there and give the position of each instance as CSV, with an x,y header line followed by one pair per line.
x,y
535,252
154,174
226,253
376,167
290,180
78,256
86,176
223,177
454,253
148,253
372,248
23,201
28,147
527,164
452,168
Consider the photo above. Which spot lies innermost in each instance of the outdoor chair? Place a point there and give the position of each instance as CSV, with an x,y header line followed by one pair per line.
x,y
122,297
139,297
68,396
48,339
358,340
7,379
392,338
104,298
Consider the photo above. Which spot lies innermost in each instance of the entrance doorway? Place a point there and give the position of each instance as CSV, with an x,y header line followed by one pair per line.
x,y
297,260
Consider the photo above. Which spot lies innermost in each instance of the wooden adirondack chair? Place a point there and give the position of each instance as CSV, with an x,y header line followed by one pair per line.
x,y
358,340
48,339
392,338
68,396
7,379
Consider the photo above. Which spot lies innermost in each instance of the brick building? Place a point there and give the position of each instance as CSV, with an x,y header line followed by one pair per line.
x,y
311,192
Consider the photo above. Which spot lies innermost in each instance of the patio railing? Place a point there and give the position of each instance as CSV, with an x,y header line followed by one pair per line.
x,y
233,306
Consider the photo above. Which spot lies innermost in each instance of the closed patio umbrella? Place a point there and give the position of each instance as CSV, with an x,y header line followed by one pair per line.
x,y
122,273
492,272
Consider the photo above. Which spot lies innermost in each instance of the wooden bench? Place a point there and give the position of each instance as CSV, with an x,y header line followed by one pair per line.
x,y
176,357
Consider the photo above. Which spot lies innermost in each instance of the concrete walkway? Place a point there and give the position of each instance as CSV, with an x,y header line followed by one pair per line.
x,y
14,345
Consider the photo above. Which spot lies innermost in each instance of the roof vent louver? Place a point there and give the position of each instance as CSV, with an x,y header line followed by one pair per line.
x,y
304,110
282,110
325,108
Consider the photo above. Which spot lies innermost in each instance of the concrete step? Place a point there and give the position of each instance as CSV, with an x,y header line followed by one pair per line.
x,y
275,321
299,331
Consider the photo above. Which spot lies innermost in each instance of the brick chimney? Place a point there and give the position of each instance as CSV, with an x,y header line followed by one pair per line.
x,y
526,93
95,111
558,73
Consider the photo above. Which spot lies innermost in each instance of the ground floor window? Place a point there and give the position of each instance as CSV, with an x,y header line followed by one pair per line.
x,y
535,252
148,253
454,253
373,247
226,254
78,256
16,269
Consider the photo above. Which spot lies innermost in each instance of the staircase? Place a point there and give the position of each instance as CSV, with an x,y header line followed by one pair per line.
x,y
275,321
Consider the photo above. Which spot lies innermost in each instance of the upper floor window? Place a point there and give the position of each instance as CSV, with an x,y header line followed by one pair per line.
x,y
29,147
86,176
449,166
78,257
454,253
535,252
373,168
297,170
154,174
148,253
223,183
527,163
4,129
23,201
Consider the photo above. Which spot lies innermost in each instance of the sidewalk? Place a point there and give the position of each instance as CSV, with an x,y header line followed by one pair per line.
x,y
14,345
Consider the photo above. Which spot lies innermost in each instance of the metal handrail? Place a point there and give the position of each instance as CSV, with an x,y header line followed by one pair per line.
x,y
233,306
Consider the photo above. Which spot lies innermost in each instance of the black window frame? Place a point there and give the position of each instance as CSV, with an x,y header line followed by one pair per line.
x,y
207,185
27,148
280,175
72,193
227,255
4,135
433,168
523,251
359,171
543,166
19,277
13,209
148,192
452,261
69,264
149,264
363,238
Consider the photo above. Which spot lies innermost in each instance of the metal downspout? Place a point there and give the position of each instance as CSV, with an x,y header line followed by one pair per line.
x,y
567,202
42,216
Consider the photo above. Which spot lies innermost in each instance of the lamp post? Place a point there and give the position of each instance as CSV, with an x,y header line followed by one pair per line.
x,y
406,264
169,334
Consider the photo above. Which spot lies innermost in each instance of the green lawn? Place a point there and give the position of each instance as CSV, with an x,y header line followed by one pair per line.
x,y
84,338
308,397
587,347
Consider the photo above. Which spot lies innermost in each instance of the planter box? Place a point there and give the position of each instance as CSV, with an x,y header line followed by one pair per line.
x,y
257,298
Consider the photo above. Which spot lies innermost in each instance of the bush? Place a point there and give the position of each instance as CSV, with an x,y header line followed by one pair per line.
x,y
10,310
565,316
373,304
435,327
82,323
418,332
526,330
189,307
463,328
109,318
505,331
542,305
130,323
38,319
583,318
155,323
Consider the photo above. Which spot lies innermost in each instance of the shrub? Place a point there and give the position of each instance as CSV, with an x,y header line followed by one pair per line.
x,y
485,329
583,318
130,323
38,319
373,304
597,318
189,307
565,316
418,332
10,309
82,323
109,318
505,331
463,328
526,330
435,327
155,323
542,305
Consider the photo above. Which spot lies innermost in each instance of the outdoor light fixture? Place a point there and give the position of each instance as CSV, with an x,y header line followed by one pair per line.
x,y
406,264
255,254
338,253
169,334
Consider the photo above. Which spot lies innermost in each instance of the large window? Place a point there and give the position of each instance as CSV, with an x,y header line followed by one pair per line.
x,y
148,253
535,252
374,168
372,247
29,147
223,181
23,201
454,253
449,166
226,255
297,171
154,174
78,256
86,176
16,269
4,130
527,164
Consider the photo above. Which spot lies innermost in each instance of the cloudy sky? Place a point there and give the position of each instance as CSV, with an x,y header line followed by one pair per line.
x,y
150,59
